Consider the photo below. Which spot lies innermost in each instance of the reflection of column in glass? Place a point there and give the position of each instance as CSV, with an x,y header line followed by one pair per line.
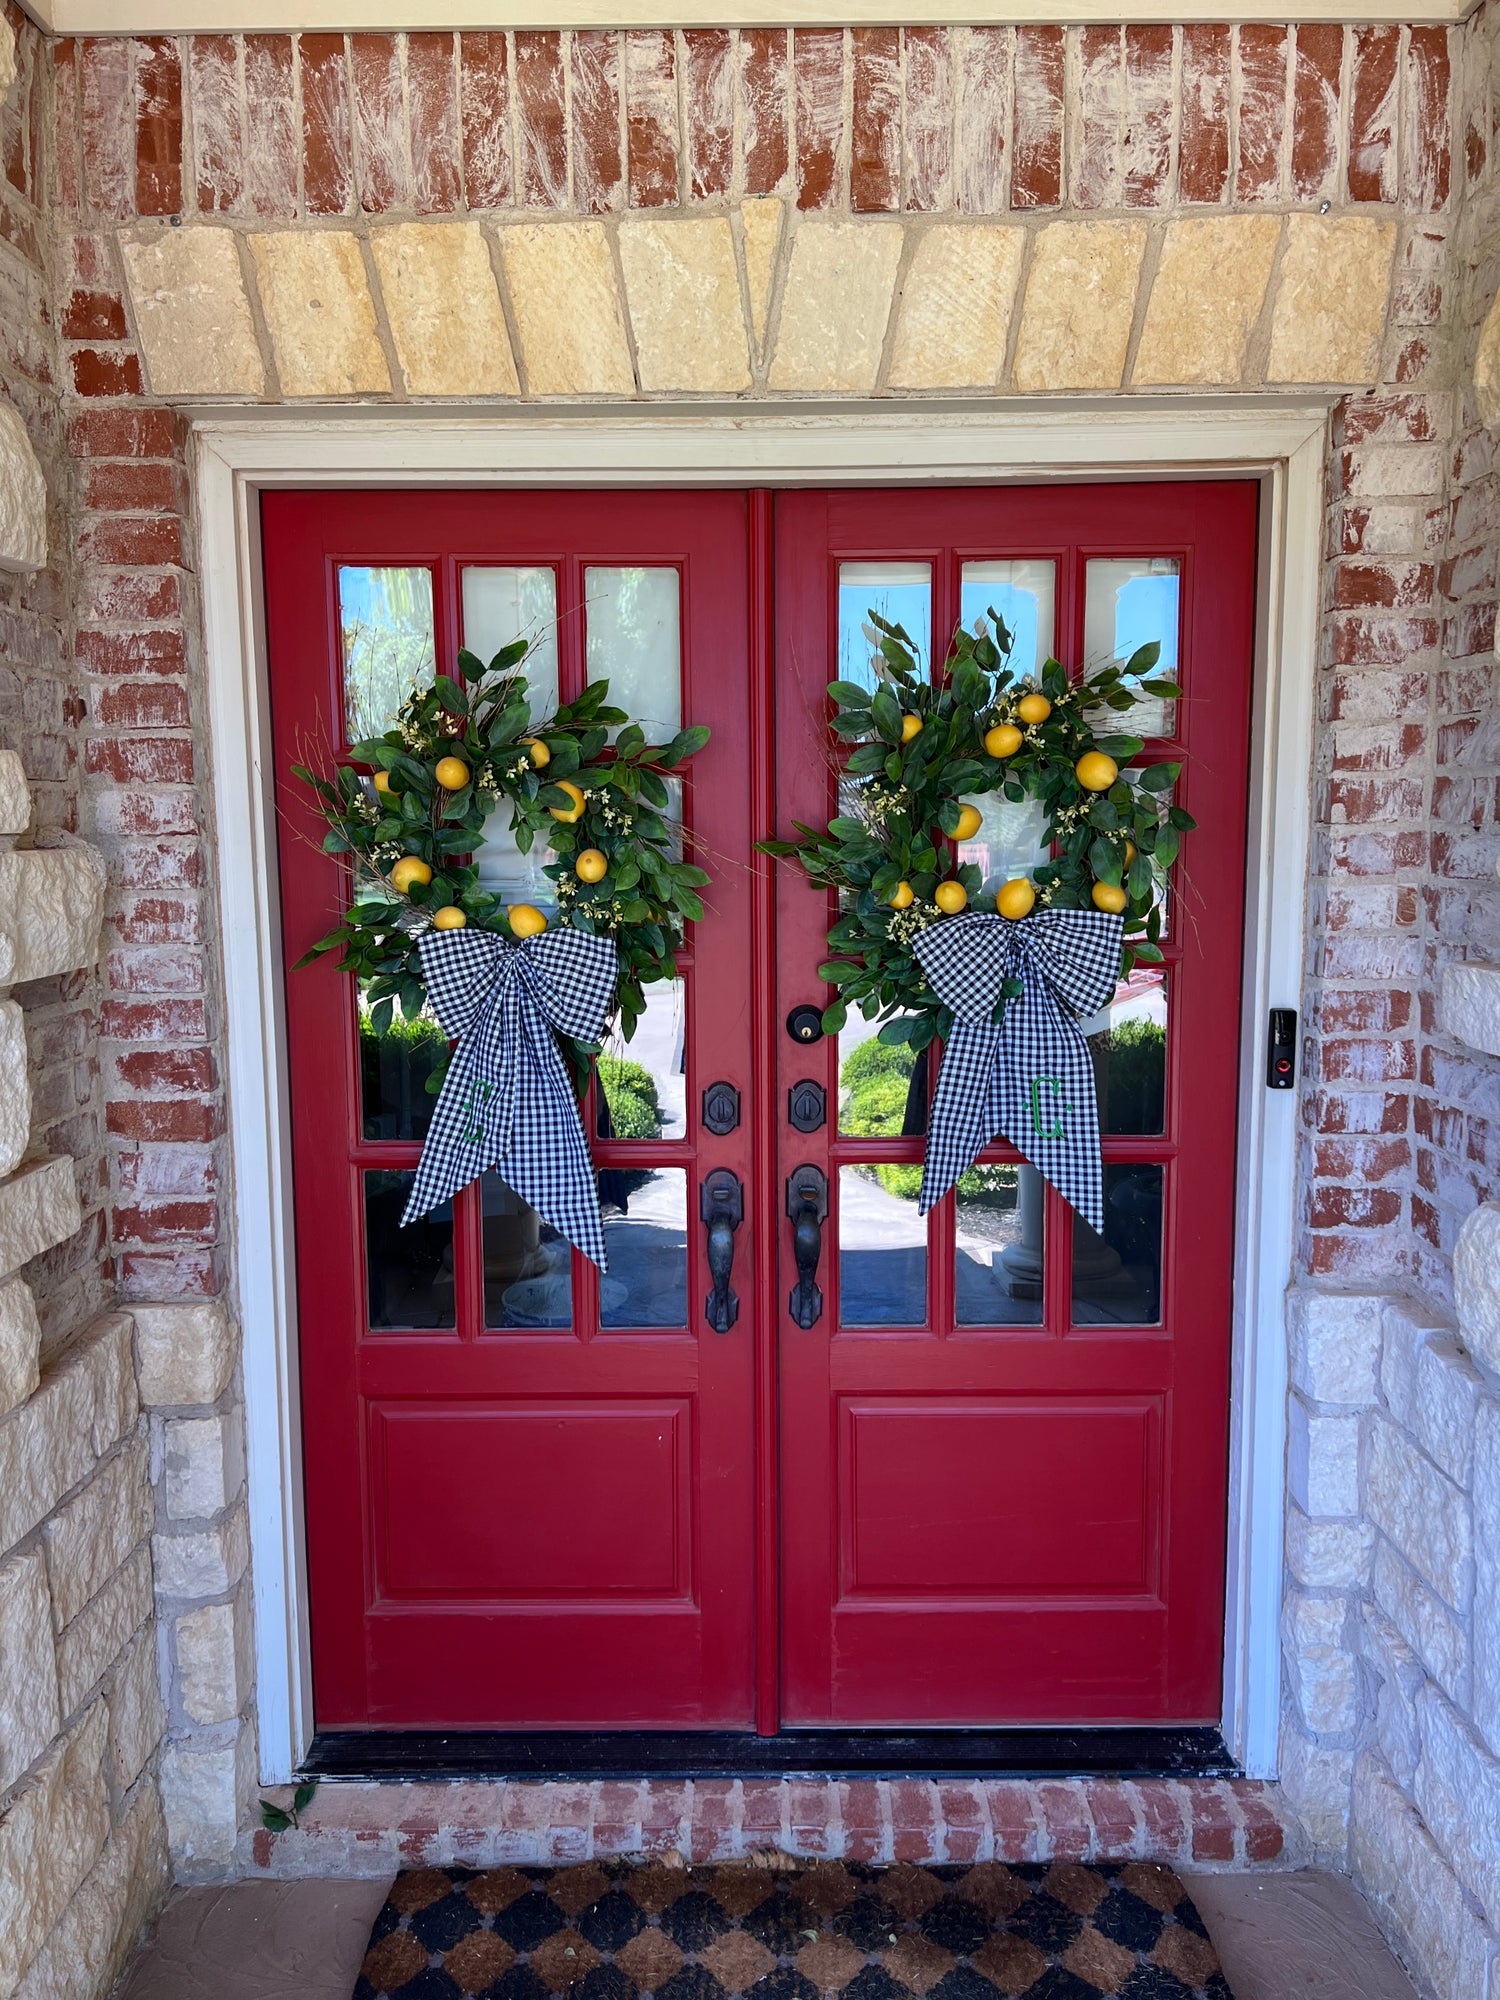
x,y
1022,1262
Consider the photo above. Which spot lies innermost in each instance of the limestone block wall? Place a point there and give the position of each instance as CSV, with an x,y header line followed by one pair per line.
x,y
1391,1621
83,1856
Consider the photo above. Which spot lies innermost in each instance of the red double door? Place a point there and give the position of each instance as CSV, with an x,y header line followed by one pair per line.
x,y
988,1484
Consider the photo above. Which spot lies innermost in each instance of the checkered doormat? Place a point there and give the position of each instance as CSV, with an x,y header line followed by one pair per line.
x,y
619,1930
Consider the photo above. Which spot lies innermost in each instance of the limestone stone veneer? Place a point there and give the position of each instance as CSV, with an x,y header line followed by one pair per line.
x,y
759,300
83,1856
1391,1614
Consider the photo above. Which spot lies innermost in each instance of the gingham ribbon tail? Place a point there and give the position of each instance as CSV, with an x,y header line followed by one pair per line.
x,y
507,1101
1027,1076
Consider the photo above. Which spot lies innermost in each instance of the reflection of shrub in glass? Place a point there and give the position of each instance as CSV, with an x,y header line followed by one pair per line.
x,y
394,1067
1131,1062
630,1110
874,1080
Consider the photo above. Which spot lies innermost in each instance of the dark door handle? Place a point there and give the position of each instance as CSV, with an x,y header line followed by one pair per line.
x,y
721,1203
807,1205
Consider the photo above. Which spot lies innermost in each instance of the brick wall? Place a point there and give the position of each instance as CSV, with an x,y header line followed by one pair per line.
x,y
770,136
41,708
270,133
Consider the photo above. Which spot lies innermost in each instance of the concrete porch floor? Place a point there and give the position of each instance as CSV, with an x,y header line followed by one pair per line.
x,y
1295,1936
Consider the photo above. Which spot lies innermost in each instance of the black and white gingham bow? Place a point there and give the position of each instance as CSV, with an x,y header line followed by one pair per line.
x,y
1029,1075
507,1101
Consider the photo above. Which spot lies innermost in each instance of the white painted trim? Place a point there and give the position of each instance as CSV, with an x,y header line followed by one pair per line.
x,y
1282,439
163,17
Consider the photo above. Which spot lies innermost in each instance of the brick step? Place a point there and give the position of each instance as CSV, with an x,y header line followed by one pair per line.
x,y
360,1828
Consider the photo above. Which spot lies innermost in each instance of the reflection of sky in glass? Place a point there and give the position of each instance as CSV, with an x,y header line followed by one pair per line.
x,y
1146,609
1020,611
901,593
385,620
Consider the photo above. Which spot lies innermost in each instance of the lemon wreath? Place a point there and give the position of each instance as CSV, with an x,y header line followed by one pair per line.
x,y
410,808
926,751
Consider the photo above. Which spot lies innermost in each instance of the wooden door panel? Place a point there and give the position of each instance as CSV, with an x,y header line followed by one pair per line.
x,y
515,1522
1022,1520
988,1498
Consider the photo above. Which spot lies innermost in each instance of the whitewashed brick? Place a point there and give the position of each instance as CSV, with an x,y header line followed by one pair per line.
x,y
205,1465
23,496
185,1353
89,1647
1320,1665
1432,1631
1323,1461
88,1539
50,1838
1335,1344
205,1564
85,1405
1332,1555
1396,1862
1458,1795
1423,1513
1399,1675
29,1714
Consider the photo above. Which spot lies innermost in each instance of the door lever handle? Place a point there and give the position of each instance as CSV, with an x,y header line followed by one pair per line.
x,y
807,1206
721,1204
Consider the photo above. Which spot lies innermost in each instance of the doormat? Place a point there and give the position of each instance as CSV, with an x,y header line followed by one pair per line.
x,y
621,1930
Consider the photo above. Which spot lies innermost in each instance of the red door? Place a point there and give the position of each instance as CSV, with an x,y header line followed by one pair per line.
x,y
996,1489
528,1489
1003,1445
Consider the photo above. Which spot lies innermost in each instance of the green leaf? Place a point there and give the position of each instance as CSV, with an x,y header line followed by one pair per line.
x,y
470,665
1157,777
898,1031
849,694
509,656
451,695
304,1795
1143,659
885,712
1168,842
834,1017
273,1819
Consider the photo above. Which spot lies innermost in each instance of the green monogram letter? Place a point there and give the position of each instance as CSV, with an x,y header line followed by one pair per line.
x,y
1056,1110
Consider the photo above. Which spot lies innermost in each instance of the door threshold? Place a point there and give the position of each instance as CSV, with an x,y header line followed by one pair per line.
x,y
1121,1752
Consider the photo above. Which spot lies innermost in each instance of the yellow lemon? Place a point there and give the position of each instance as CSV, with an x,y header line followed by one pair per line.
x,y
1130,852
950,897
1033,708
538,752
449,918
525,920
568,813
1108,897
591,865
452,773
1004,740
970,820
383,784
1015,899
410,868
903,896
911,725
1096,772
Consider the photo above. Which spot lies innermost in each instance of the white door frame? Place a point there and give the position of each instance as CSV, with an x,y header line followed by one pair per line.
x,y
1280,440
